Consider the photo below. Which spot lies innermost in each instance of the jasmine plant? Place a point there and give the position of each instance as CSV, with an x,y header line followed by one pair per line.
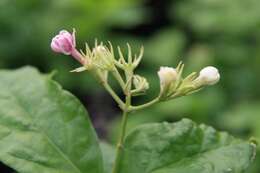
x,y
101,62
44,128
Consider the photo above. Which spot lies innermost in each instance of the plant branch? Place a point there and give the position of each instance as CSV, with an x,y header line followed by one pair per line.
x,y
119,148
114,95
118,77
120,144
135,108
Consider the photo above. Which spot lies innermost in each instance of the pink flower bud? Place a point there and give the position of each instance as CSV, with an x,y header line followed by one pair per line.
x,y
64,42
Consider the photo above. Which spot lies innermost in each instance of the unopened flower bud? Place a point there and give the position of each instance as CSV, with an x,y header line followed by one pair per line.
x,y
140,83
65,43
103,58
99,50
167,75
208,76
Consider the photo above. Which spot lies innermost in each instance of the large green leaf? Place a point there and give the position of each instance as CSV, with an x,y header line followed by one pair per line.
x,y
108,152
184,147
44,128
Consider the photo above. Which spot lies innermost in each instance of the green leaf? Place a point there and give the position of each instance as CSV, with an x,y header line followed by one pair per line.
x,y
184,147
108,152
44,128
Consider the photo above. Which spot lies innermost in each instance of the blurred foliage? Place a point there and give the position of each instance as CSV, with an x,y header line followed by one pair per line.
x,y
28,26
199,32
208,17
243,120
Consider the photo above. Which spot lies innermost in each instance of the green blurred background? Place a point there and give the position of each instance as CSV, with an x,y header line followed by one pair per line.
x,y
223,33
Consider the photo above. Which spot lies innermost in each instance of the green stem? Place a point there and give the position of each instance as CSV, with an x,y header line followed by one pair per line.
x,y
118,77
135,108
120,144
119,149
114,95
103,81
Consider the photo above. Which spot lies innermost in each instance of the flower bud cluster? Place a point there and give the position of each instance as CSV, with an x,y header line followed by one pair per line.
x,y
100,57
102,62
173,85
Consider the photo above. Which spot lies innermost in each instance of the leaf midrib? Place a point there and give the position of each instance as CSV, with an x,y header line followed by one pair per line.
x,y
64,156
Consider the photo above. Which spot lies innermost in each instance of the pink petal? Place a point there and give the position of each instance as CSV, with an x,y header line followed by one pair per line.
x,y
65,46
55,45
74,38
69,37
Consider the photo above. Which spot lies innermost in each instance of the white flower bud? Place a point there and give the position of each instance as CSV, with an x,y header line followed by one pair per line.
x,y
99,50
103,58
167,75
140,83
209,76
